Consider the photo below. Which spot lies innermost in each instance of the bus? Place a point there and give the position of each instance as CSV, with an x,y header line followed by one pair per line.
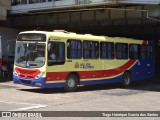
x,y
65,59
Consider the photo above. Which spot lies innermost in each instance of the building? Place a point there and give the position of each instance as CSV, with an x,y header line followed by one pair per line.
x,y
110,17
21,6
8,35
5,5
127,18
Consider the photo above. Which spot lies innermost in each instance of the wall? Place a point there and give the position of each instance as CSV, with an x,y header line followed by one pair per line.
x,y
4,6
91,18
7,36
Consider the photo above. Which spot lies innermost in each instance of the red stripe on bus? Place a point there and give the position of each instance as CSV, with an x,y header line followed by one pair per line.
x,y
91,74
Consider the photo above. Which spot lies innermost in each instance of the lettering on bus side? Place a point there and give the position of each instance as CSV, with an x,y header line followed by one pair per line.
x,y
83,65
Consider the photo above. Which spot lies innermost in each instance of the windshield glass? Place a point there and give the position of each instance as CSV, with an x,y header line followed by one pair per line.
x,y
30,55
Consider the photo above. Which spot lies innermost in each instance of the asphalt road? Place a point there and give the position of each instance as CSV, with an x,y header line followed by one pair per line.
x,y
144,96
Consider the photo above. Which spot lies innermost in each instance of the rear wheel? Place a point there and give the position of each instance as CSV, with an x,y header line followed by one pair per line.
x,y
127,79
71,83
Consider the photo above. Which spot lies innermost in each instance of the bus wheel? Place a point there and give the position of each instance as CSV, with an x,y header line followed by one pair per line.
x,y
127,80
71,83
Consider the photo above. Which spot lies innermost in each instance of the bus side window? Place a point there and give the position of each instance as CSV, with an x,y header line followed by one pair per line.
x,y
146,52
56,53
121,50
134,51
74,49
149,52
90,49
107,50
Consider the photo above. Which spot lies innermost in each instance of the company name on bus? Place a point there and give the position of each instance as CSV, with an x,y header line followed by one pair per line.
x,y
84,65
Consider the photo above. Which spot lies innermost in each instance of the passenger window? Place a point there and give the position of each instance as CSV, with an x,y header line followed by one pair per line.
x,y
146,52
107,50
121,50
134,51
74,49
90,50
56,53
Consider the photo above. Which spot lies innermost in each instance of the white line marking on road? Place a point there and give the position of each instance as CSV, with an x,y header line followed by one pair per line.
x,y
31,106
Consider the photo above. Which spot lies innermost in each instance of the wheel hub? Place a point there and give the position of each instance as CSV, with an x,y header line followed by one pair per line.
x,y
127,80
71,83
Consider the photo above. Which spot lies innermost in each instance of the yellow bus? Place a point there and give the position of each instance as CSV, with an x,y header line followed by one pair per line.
x,y
65,59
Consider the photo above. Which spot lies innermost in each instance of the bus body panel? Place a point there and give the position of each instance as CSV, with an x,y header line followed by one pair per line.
x,y
145,69
89,71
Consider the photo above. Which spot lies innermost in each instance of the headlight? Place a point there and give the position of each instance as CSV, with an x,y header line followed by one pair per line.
x,y
15,73
39,75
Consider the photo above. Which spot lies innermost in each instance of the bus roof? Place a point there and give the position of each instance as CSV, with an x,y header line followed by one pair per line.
x,y
61,34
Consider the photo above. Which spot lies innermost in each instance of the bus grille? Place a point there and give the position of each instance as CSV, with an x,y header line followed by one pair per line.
x,y
27,71
27,74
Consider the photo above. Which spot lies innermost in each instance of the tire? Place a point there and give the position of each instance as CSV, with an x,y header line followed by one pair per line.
x,y
71,83
127,80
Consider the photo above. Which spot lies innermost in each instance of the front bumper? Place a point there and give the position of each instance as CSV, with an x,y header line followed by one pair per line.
x,y
30,82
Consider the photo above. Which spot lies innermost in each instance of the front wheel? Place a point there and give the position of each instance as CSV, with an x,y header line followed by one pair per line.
x,y
127,79
71,83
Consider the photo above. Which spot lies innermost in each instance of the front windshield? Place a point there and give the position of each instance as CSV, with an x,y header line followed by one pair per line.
x,y
30,55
